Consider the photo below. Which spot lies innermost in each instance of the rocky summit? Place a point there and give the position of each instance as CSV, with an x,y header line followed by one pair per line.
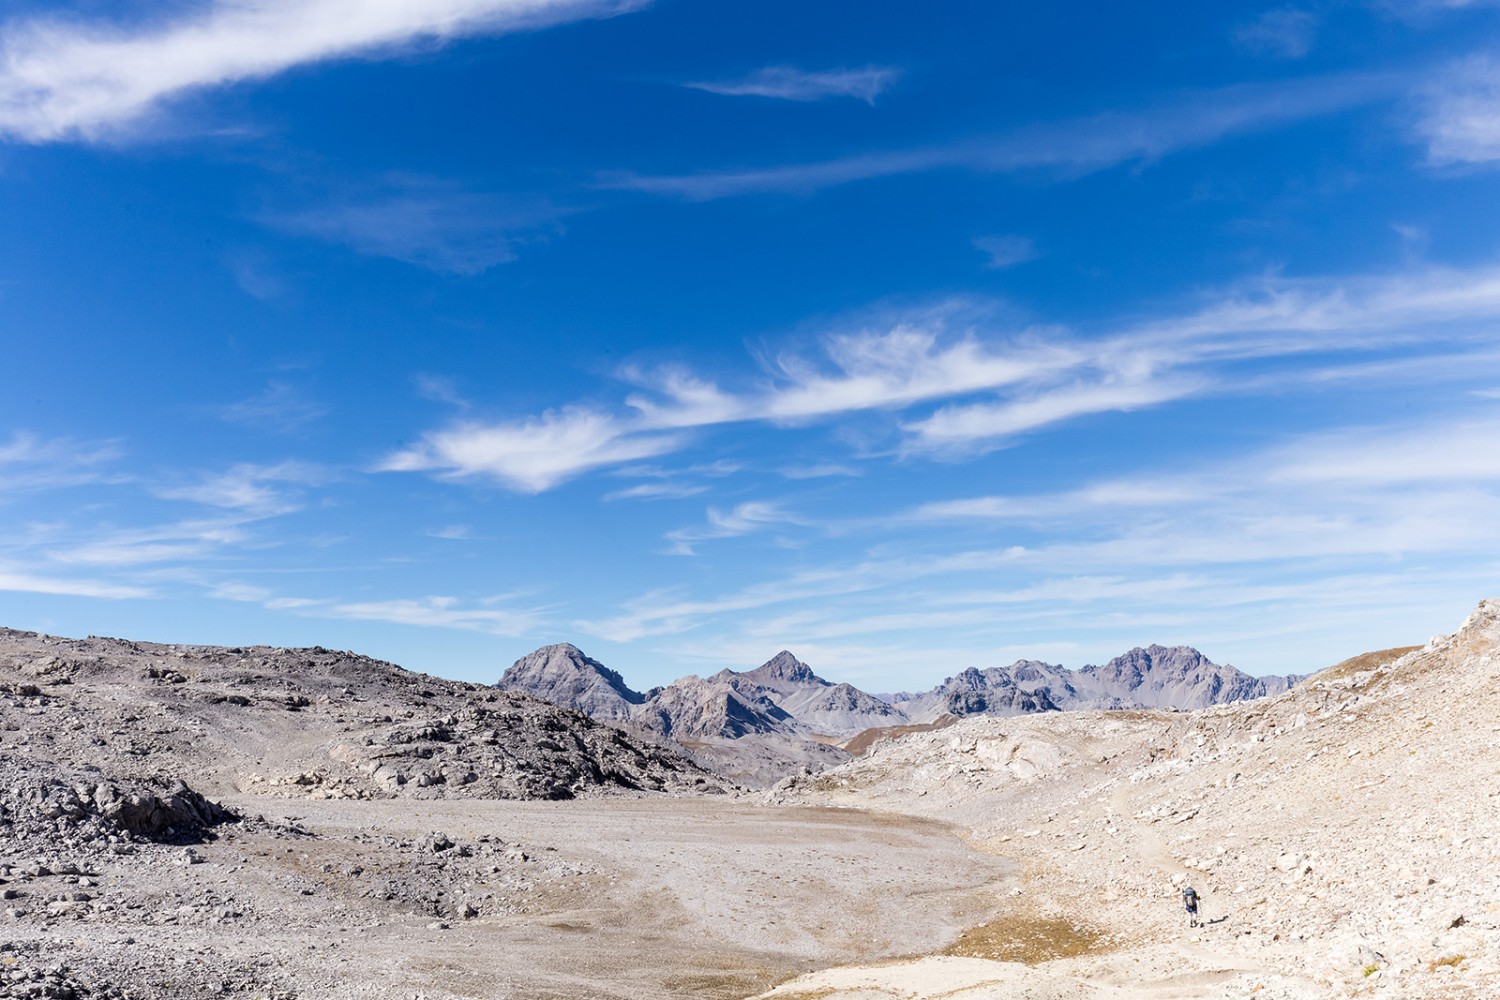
x,y
563,675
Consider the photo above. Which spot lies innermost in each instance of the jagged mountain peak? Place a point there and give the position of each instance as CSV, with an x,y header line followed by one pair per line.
x,y
563,674
784,667
1153,660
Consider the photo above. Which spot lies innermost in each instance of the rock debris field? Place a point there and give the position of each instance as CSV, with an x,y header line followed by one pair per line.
x,y
186,821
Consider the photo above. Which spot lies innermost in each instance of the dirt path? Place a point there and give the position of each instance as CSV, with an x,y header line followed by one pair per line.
x,y
1148,844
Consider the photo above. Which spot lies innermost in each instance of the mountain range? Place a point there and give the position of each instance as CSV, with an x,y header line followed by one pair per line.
x,y
783,702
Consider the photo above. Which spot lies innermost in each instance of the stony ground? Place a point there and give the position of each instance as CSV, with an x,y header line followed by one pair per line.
x,y
186,822
610,899
300,722
1346,837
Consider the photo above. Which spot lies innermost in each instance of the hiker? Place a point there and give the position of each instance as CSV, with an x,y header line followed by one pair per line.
x,y
1190,901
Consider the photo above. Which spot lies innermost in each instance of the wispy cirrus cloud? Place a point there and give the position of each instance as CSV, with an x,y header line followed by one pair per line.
x,y
990,385
965,426
177,542
428,223
822,470
17,581
491,615
532,455
1460,114
70,79
788,83
254,490
671,484
430,612
1287,32
1007,250
497,614
742,519
439,389
1064,148
658,491
279,407
31,463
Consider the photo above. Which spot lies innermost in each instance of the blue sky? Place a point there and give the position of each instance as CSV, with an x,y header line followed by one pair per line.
x,y
908,337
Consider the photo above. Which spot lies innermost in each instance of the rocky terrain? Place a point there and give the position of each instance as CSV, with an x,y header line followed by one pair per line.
x,y
189,821
1345,836
759,725
116,758
301,722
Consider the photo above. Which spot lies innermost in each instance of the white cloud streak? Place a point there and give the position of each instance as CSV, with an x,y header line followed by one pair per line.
x,y
29,583
1287,33
658,491
1460,120
534,455
426,223
278,407
788,83
964,426
29,463
1066,148
435,611
185,541
255,490
743,519
868,370
67,80
1006,251
429,612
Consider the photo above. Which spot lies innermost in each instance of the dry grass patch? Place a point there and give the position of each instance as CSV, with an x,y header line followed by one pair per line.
x,y
1451,961
1364,661
860,743
722,985
1029,939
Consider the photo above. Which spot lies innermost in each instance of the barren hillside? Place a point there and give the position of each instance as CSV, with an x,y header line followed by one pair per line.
x,y
1344,835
